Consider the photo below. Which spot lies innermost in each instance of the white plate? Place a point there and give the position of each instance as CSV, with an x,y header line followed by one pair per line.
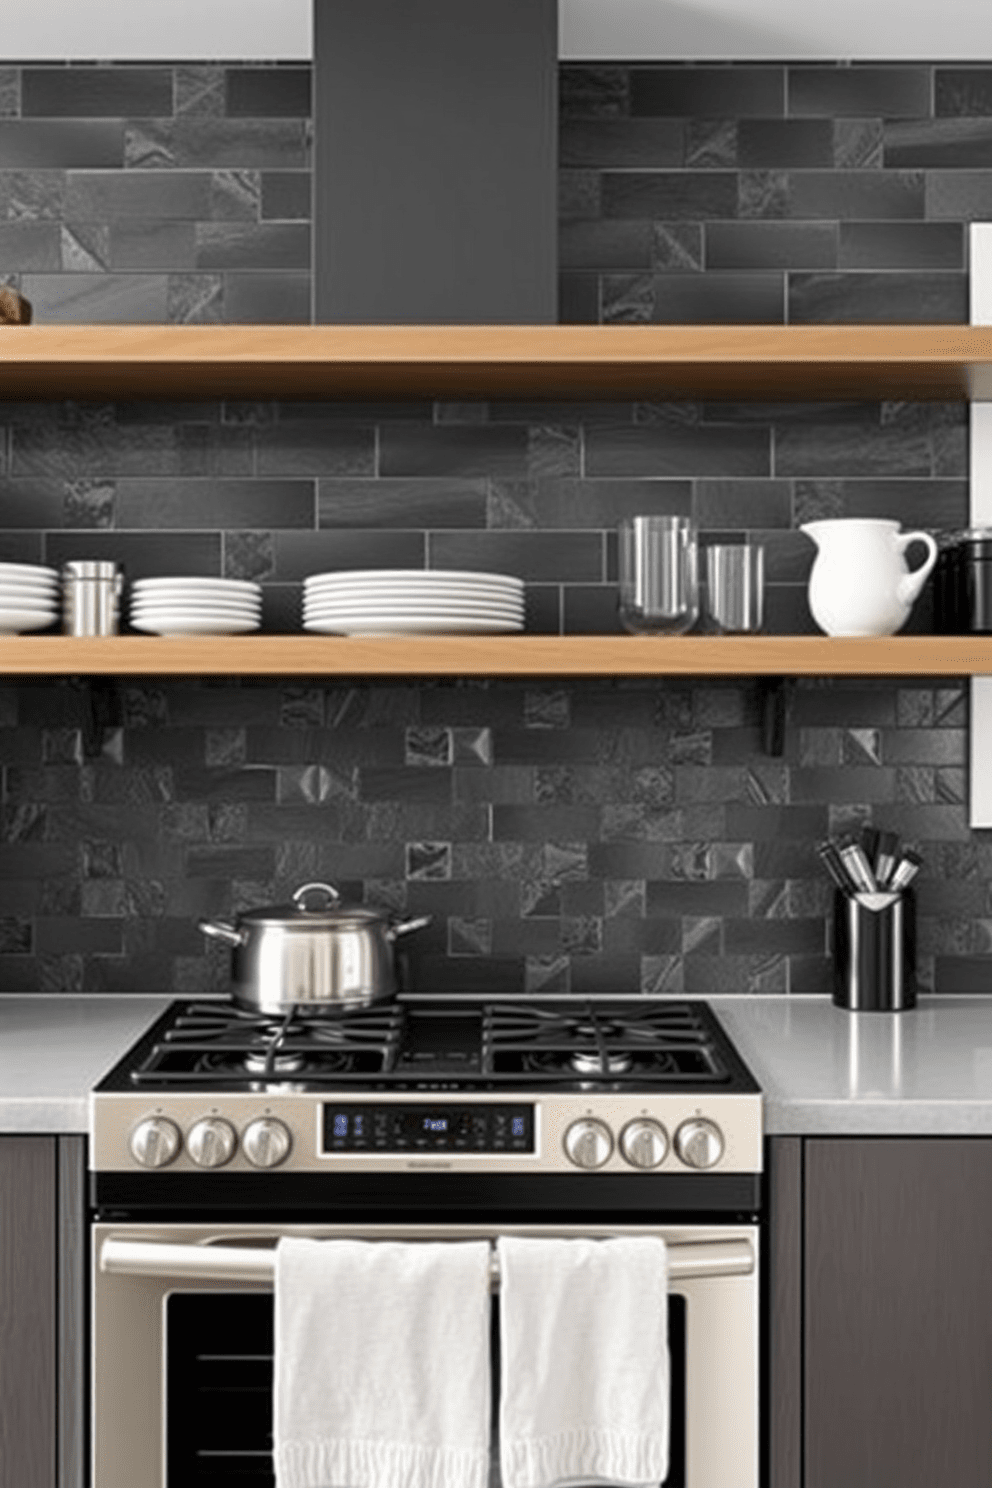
x,y
411,612
26,599
365,625
18,587
418,596
376,575
198,585
12,622
176,625
28,571
195,606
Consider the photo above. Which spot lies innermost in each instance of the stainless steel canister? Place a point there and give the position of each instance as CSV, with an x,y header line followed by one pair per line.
x,y
91,597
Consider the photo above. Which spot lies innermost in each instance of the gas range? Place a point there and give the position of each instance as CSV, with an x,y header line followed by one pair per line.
x,y
633,1088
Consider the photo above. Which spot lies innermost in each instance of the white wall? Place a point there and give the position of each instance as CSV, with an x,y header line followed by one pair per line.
x,y
146,30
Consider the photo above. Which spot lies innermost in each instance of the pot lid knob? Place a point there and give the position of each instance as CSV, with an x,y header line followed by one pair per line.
x,y
331,897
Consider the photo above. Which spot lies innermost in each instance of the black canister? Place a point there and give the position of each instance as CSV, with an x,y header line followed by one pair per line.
x,y
874,948
963,584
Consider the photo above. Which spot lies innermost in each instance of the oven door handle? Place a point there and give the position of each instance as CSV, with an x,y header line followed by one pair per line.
x,y
234,1263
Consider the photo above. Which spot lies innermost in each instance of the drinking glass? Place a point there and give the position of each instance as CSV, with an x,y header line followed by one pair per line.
x,y
735,585
659,583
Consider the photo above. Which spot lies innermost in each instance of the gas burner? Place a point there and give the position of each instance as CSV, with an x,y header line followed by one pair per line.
x,y
587,1062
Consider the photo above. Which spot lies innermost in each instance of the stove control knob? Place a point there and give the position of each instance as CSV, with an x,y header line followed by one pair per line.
x,y
699,1143
266,1142
155,1142
588,1142
211,1142
644,1143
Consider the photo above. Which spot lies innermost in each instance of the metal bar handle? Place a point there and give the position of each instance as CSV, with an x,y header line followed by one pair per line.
x,y
232,1263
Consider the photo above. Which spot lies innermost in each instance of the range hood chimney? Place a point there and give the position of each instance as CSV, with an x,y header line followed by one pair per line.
x,y
435,162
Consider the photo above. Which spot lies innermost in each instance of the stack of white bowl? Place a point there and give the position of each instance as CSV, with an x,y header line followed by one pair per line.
x,y
186,606
29,597
400,601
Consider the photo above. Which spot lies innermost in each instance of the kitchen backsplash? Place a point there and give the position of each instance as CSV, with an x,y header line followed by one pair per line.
x,y
584,837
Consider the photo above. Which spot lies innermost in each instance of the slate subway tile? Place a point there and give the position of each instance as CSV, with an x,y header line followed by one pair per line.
x,y
95,92
213,143
860,783
885,245
883,298
858,706
711,144
770,245
669,196
211,504
286,195
259,245
412,502
30,245
924,746
604,245
707,92
591,609
540,823
932,504
267,298
859,92
534,556
266,92
925,823
32,503
715,298
593,90
410,785
854,449
80,145
769,937
97,299
725,897
796,143
743,503
657,450
95,447
313,449
110,196
628,143
962,91
164,245
579,194
933,143
578,299
962,195
61,934
569,504
455,451
858,195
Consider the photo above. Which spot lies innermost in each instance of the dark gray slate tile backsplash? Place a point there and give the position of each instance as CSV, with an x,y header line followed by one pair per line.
x,y
584,837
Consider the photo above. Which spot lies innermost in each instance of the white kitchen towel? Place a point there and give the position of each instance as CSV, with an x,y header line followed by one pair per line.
x,y
382,1375
585,1370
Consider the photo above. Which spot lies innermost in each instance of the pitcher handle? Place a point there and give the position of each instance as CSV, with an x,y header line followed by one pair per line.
x,y
912,583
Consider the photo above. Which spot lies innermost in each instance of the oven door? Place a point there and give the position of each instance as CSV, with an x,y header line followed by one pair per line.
x,y
182,1348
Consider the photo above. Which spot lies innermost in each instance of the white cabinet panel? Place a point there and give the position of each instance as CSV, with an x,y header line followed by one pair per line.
x,y
980,264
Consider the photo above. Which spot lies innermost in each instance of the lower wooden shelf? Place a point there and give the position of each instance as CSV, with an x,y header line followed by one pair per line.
x,y
497,656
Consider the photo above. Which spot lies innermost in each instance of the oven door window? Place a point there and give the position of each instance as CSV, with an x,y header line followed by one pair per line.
x,y
219,1390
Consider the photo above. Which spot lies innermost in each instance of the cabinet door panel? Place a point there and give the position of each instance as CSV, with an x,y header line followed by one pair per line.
x,y
27,1312
898,1290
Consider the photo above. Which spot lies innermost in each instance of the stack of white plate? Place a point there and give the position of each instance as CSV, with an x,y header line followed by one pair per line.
x,y
400,601
29,597
184,606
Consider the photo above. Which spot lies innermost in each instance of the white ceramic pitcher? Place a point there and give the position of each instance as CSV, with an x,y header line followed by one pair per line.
x,y
861,584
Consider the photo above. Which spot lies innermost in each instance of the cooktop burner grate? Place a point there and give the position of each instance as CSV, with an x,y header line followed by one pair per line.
x,y
443,1043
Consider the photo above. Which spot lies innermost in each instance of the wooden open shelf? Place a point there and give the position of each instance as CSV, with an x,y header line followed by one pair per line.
x,y
492,362
497,656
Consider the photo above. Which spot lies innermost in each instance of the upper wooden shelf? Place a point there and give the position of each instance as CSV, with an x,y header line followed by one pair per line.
x,y
495,656
492,362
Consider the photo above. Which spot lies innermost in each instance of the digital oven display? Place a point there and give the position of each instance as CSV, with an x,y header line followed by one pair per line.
x,y
416,1127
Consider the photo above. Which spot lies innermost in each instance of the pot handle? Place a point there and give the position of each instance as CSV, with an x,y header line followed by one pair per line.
x,y
221,930
331,893
406,927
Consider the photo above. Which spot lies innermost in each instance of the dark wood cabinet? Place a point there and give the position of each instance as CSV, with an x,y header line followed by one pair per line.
x,y
880,1308
42,1312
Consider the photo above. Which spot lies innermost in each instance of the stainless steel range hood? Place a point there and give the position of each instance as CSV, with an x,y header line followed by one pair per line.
x,y
435,162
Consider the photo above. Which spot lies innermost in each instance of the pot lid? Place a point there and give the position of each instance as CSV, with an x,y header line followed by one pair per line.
x,y
315,905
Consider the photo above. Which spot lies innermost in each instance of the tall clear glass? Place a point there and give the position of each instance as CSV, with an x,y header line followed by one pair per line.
x,y
659,575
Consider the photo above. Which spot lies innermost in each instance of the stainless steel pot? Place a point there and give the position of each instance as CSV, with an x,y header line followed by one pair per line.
x,y
318,957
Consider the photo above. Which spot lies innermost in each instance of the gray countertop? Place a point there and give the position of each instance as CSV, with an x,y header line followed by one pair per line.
x,y
821,1070
53,1049
826,1071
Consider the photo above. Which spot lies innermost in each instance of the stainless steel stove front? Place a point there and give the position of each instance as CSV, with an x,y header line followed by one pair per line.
x,y
182,1347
